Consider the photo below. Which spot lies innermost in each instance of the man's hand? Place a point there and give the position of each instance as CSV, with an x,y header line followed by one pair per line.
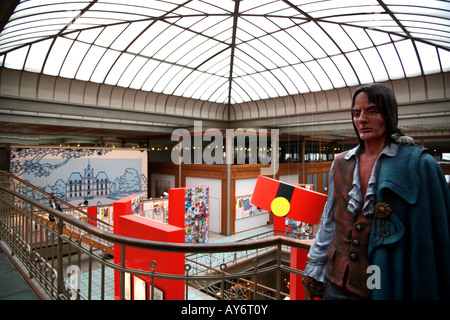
x,y
313,287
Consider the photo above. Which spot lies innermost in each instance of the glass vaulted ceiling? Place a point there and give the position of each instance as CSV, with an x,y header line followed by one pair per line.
x,y
228,51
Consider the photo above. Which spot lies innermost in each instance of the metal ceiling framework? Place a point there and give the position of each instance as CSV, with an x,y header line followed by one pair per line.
x,y
229,52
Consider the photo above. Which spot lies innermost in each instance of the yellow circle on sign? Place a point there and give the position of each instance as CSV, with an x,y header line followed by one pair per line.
x,y
280,206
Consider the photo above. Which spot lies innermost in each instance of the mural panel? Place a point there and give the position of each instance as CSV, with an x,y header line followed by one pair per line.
x,y
90,176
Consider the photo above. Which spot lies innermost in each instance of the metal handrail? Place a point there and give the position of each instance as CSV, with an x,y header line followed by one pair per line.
x,y
67,205
16,207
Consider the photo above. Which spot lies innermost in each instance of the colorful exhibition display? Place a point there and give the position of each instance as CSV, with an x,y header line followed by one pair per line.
x,y
185,220
296,210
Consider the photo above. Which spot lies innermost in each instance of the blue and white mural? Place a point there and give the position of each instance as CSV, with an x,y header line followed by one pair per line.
x,y
76,175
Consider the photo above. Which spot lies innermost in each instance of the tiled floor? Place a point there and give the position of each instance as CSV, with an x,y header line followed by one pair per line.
x,y
12,285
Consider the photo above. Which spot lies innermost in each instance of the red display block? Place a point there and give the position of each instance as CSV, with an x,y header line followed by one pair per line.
x,y
305,205
133,226
92,212
123,207
298,261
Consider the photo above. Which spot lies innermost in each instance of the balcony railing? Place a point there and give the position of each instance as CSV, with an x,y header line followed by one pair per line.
x,y
65,259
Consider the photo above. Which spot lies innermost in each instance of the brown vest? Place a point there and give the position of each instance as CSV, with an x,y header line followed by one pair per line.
x,y
347,256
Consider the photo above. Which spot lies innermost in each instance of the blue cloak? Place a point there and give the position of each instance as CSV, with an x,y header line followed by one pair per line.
x,y
412,246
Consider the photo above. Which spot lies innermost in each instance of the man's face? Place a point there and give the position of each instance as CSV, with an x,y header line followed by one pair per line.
x,y
368,120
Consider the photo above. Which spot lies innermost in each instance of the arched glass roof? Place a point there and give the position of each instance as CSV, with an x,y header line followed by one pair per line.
x,y
229,51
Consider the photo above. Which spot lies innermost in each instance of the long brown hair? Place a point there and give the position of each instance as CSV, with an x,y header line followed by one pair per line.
x,y
383,97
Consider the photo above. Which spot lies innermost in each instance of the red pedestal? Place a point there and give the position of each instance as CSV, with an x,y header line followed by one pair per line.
x,y
92,212
133,226
298,260
176,207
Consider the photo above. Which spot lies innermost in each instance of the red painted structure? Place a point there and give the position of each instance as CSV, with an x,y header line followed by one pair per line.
x,y
305,206
133,226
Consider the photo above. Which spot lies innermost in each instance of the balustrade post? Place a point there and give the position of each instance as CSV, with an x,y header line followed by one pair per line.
x,y
278,284
60,272
122,273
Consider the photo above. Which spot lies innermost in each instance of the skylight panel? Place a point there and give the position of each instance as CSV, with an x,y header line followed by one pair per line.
x,y
296,79
375,64
73,59
129,35
307,42
165,83
321,38
241,91
217,62
209,87
346,70
408,58
140,9
378,37
444,56
265,79
360,66
270,50
160,69
89,62
118,68
261,7
264,24
211,8
332,72
287,82
247,31
284,49
35,9
428,58
339,36
104,65
189,75
58,53
308,77
220,95
144,42
359,37
130,72
109,34
254,57
347,10
36,57
294,46
111,16
312,6
168,42
143,74
256,89
320,75
391,61
201,53
16,58
90,35
190,42
198,79
220,30
422,9
277,85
